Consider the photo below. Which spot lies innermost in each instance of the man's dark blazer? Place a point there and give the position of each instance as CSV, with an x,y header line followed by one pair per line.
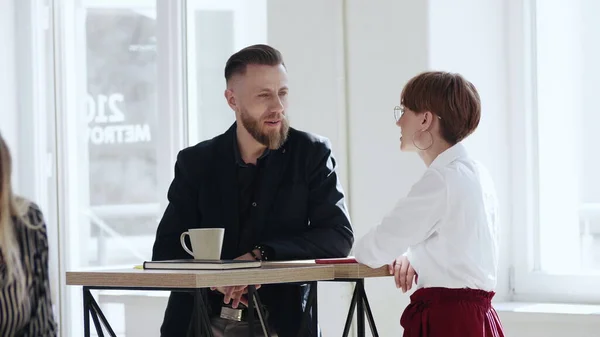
x,y
303,216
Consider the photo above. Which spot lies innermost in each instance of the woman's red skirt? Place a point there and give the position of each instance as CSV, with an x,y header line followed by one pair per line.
x,y
444,312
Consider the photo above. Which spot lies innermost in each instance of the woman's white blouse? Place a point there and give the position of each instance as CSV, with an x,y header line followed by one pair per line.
x,y
447,226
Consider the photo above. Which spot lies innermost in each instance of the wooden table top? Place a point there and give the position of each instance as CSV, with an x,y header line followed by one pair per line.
x,y
341,271
270,272
139,278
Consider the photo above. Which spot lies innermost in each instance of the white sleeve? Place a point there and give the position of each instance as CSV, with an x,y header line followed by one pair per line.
x,y
413,220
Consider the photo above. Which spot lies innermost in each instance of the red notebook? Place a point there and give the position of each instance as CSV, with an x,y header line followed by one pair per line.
x,y
336,261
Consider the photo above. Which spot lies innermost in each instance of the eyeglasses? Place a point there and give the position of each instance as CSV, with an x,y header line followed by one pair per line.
x,y
399,111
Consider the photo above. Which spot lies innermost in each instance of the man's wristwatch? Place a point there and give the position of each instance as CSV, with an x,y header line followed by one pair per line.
x,y
256,257
266,253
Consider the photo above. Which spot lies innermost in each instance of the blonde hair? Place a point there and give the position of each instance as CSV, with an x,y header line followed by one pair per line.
x,y
12,210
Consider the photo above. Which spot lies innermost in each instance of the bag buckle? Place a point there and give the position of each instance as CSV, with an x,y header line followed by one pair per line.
x,y
231,314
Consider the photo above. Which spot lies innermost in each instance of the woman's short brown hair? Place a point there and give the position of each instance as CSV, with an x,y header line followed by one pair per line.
x,y
448,95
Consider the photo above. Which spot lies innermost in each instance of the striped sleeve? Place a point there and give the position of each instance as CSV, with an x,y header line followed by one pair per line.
x,y
41,323
11,318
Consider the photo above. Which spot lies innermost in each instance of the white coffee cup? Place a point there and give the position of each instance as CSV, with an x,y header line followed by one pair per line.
x,y
206,243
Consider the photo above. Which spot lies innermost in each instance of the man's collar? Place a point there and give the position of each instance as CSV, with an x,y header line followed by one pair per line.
x,y
238,156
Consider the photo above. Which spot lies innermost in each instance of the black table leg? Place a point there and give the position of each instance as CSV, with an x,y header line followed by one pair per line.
x,y
360,309
360,303
99,314
91,308
99,330
251,291
314,308
86,312
374,332
255,299
350,313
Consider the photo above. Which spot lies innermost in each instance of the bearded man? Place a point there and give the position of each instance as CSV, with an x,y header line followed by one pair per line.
x,y
274,190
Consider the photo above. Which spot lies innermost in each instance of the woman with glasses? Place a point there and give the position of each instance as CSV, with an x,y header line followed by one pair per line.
x,y
446,229
25,305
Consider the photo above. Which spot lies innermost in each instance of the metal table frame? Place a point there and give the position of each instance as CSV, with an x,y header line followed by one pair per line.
x,y
201,322
360,303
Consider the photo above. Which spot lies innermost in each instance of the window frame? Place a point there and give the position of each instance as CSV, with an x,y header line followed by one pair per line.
x,y
241,10
35,167
67,15
527,282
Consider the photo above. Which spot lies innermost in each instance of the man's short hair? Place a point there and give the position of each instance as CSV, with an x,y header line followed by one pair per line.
x,y
448,95
259,54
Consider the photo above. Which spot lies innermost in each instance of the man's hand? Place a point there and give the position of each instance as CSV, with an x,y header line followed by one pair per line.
x,y
236,293
404,274
248,256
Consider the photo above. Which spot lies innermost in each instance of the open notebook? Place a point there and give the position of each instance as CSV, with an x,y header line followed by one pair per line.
x,y
201,264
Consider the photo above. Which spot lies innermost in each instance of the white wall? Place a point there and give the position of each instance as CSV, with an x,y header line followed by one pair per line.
x,y
474,43
591,34
8,92
312,44
387,44
518,324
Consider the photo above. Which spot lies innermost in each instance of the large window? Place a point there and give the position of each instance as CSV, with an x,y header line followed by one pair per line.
x,y
121,134
108,141
557,185
215,30
134,78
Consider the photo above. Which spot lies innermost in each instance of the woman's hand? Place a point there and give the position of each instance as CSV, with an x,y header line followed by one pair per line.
x,y
404,274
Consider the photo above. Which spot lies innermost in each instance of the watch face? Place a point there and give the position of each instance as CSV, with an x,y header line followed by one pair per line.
x,y
264,252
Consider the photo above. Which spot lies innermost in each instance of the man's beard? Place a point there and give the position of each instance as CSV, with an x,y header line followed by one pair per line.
x,y
273,139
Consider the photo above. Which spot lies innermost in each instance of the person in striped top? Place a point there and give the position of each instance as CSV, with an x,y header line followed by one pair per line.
x,y
25,304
